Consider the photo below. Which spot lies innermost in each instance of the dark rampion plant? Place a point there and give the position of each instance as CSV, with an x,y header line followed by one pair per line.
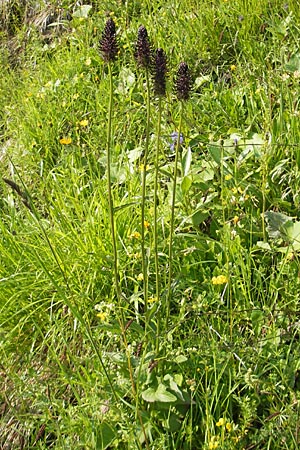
x,y
108,43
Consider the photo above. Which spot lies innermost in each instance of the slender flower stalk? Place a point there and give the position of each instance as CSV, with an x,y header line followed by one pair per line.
x,y
109,50
182,87
143,58
159,82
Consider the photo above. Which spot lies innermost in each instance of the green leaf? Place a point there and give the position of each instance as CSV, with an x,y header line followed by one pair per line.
x,y
82,11
294,63
160,394
186,184
163,395
186,161
173,386
134,154
263,245
149,395
105,435
201,80
215,152
126,81
199,217
276,223
293,233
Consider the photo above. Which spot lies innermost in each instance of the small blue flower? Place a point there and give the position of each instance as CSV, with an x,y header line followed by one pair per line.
x,y
174,137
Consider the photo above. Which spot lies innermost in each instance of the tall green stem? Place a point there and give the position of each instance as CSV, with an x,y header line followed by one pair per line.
x,y
109,186
170,256
157,278
144,256
157,285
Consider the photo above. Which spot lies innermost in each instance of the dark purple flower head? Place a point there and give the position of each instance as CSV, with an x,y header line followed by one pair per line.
x,y
108,42
159,72
143,48
183,82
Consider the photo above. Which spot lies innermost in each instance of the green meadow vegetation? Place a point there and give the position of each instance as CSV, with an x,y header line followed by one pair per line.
x,y
150,232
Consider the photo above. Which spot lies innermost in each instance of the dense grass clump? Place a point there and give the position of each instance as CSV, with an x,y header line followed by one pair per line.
x,y
149,227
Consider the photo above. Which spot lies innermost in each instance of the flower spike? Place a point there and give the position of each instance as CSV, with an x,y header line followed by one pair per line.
x,y
143,48
108,42
183,82
159,72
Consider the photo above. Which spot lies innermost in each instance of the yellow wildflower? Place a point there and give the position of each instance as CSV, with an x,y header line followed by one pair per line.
x,y
65,141
84,123
142,167
140,277
233,67
214,443
228,426
146,224
235,220
152,299
228,177
221,422
135,235
220,279
88,62
102,316
75,96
